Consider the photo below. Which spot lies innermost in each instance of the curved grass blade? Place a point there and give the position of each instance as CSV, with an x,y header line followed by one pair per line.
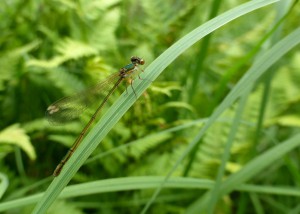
x,y
259,68
145,182
118,109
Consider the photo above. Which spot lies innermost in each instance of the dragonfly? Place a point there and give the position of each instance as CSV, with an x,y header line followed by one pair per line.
x,y
69,108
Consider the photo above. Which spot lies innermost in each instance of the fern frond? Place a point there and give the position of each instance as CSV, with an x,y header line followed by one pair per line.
x,y
15,135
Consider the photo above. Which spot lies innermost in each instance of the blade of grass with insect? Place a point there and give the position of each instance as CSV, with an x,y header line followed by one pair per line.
x,y
69,107
118,109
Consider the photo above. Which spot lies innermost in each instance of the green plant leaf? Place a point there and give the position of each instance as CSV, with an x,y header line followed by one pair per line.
x,y
4,182
140,183
67,49
14,135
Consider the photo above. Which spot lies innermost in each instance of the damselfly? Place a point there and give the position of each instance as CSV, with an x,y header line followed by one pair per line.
x,y
69,108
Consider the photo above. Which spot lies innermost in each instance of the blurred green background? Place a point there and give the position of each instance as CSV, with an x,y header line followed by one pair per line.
x,y
51,49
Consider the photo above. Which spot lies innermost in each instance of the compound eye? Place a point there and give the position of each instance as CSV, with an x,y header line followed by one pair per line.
x,y
142,61
137,60
134,59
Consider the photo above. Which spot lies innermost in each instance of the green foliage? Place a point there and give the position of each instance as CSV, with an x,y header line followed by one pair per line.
x,y
16,136
52,49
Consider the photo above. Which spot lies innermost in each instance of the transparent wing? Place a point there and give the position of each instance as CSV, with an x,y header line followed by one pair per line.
x,y
69,108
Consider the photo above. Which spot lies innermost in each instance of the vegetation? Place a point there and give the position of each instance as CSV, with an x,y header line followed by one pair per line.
x,y
216,131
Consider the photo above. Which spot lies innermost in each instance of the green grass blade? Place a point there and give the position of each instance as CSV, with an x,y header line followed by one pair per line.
x,y
250,170
119,108
260,67
239,89
4,183
226,154
140,183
